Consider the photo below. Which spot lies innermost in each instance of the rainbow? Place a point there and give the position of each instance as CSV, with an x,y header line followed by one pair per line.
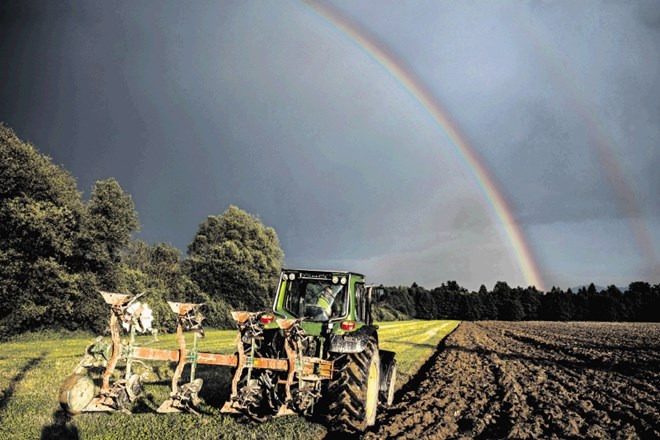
x,y
471,159
603,147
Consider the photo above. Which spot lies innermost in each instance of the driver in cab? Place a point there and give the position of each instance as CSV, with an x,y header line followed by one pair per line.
x,y
325,300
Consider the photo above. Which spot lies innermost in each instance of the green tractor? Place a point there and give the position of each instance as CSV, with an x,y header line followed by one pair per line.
x,y
321,323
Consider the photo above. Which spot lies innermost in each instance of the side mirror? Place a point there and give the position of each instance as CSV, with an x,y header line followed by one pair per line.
x,y
380,293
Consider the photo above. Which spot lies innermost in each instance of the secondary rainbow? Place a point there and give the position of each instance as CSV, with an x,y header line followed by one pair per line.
x,y
485,182
603,146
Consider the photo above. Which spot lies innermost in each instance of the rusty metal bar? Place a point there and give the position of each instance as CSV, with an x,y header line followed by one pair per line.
x,y
239,366
325,367
218,359
291,366
182,358
271,364
156,354
112,363
231,360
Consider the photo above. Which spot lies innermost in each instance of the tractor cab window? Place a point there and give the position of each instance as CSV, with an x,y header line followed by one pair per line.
x,y
316,300
361,302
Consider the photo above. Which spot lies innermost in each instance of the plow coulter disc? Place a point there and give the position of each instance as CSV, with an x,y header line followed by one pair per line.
x,y
76,393
134,386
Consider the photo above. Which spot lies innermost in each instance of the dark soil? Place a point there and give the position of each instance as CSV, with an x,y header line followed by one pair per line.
x,y
492,380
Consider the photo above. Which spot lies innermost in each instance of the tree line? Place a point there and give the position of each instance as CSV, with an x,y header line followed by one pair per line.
x,y
639,302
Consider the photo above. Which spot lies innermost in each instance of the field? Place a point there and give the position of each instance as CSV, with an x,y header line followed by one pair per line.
x,y
534,380
486,380
33,368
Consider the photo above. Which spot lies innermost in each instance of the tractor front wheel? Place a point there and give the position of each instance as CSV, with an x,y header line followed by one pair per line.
x,y
353,392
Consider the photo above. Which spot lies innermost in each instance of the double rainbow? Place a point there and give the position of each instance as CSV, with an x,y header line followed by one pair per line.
x,y
467,154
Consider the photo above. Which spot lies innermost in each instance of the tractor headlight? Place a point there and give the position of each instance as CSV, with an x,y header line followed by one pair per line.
x,y
292,276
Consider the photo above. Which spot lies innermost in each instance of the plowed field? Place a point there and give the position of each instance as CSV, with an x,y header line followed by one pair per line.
x,y
534,380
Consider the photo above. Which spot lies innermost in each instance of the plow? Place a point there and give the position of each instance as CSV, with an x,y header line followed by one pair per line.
x,y
315,353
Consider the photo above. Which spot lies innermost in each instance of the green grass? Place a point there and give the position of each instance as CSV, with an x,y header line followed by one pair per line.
x,y
32,370
413,342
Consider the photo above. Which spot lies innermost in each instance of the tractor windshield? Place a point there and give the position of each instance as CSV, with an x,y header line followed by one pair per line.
x,y
316,300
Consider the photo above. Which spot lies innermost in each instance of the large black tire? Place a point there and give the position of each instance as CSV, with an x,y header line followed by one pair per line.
x,y
353,393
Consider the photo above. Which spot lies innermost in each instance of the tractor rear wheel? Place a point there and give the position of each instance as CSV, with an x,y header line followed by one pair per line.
x,y
353,392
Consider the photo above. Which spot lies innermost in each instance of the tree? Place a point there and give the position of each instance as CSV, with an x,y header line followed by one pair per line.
x,y
40,212
235,258
426,307
530,298
157,272
108,225
557,305
512,310
398,298
591,290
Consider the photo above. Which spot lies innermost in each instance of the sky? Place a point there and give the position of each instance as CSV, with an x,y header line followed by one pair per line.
x,y
417,141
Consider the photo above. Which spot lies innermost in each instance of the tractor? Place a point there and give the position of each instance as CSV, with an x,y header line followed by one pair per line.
x,y
315,353
321,323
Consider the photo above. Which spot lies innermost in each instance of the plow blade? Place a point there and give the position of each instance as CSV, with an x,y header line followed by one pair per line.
x,y
100,404
115,299
228,408
168,407
158,354
185,399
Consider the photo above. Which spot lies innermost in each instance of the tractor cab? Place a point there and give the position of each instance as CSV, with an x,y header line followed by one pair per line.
x,y
315,299
334,301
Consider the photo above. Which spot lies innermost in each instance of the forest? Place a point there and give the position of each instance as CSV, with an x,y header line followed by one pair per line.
x,y
58,249
639,302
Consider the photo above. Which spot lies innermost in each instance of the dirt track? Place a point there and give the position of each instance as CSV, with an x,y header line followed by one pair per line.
x,y
534,380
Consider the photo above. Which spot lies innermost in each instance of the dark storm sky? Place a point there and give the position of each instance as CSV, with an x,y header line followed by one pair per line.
x,y
272,107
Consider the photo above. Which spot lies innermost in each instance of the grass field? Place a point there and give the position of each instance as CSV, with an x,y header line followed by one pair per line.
x,y
33,368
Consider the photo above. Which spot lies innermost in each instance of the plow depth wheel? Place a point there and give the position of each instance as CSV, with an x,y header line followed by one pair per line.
x,y
353,393
387,378
76,392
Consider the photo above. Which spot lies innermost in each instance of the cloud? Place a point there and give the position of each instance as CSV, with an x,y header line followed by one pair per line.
x,y
270,108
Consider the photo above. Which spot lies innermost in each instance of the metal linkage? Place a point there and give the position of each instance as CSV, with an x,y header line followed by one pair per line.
x,y
303,393
287,386
186,397
264,381
77,392
306,396
248,396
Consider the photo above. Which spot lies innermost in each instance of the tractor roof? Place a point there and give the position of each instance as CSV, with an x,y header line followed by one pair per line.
x,y
322,271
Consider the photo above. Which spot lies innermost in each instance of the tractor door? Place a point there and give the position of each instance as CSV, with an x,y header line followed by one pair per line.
x,y
363,300
361,311
370,295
